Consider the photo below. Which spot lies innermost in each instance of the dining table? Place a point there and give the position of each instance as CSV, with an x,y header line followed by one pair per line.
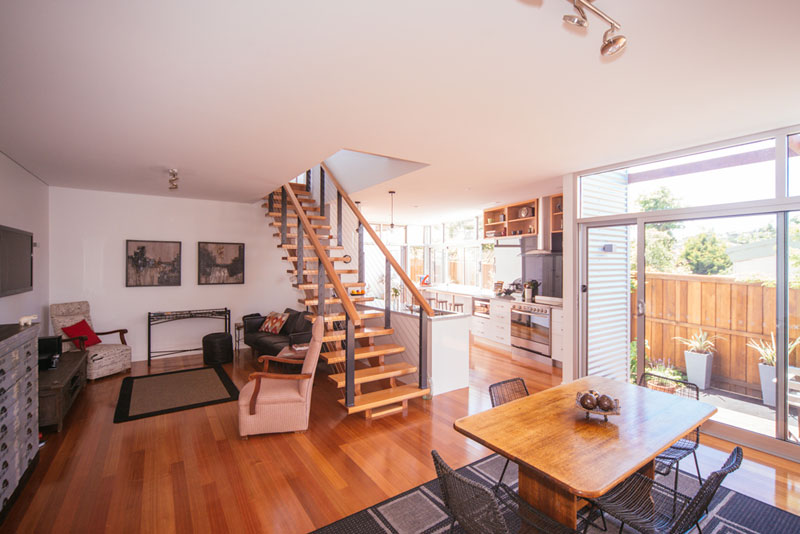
x,y
565,457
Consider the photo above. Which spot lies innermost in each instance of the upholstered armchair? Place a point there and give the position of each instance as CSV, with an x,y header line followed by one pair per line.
x,y
272,402
104,358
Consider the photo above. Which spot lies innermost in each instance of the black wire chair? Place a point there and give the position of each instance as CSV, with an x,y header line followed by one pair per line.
x,y
480,510
688,444
650,507
501,393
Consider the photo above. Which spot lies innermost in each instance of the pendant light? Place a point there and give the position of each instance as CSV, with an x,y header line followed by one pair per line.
x,y
391,193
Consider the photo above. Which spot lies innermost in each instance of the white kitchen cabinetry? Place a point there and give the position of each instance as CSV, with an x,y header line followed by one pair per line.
x,y
500,322
557,334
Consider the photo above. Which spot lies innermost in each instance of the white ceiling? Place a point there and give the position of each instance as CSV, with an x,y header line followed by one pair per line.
x,y
495,95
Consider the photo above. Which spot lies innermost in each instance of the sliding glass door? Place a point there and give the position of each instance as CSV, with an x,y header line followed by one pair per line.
x,y
710,312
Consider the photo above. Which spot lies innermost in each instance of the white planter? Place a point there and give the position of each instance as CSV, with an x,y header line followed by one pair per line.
x,y
767,375
698,368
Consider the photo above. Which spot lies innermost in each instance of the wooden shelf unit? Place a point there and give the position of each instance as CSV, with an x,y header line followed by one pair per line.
x,y
557,214
508,221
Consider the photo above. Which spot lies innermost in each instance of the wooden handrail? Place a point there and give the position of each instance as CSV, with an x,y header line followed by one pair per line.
x,y
399,270
347,304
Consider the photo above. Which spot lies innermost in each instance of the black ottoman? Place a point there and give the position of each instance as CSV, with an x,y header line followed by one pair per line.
x,y
217,348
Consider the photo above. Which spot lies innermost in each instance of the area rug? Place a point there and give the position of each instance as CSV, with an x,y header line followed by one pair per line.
x,y
421,510
149,395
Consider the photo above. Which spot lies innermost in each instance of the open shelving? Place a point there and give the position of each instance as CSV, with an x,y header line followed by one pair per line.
x,y
519,219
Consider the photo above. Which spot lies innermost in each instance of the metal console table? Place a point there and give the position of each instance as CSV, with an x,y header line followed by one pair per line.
x,y
154,318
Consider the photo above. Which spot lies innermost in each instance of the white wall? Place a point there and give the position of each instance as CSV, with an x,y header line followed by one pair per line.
x,y
24,205
88,232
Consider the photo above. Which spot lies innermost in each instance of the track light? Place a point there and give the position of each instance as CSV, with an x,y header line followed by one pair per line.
x,y
612,43
579,19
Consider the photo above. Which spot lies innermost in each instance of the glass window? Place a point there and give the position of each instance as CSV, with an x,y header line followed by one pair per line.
x,y
487,266
455,265
416,263
393,236
465,230
794,165
437,235
415,235
437,266
732,174
472,266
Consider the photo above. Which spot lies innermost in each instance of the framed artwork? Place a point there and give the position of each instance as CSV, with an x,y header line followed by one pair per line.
x,y
220,263
152,263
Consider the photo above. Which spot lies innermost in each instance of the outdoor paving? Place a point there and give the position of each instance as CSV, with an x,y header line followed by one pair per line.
x,y
748,414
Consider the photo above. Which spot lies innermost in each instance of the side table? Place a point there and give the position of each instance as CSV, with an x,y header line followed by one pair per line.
x,y
59,387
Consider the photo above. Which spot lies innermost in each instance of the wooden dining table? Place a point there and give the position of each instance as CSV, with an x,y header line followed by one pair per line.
x,y
564,457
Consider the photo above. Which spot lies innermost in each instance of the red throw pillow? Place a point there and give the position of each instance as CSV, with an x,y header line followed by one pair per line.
x,y
82,328
274,322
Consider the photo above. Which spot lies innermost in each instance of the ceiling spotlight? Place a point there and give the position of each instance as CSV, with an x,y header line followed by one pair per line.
x,y
612,43
173,179
579,19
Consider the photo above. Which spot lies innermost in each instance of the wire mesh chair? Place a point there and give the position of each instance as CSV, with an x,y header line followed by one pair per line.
x,y
650,508
689,443
480,510
501,393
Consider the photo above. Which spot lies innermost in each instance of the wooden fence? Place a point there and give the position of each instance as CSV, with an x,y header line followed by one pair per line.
x,y
736,312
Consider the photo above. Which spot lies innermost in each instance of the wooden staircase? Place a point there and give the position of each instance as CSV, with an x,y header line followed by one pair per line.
x,y
376,390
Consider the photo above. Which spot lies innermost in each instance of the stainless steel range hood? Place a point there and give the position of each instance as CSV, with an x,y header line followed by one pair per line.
x,y
541,243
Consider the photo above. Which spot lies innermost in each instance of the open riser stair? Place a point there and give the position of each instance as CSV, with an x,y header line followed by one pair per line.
x,y
313,245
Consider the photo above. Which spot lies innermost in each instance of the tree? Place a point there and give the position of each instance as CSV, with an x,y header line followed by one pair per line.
x,y
660,242
705,254
659,252
660,199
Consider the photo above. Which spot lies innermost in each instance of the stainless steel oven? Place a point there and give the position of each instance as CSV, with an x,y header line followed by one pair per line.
x,y
530,330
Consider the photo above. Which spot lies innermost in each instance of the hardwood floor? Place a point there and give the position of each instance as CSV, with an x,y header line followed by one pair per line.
x,y
189,471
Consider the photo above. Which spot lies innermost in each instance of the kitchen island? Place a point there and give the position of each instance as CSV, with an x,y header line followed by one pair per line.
x,y
446,350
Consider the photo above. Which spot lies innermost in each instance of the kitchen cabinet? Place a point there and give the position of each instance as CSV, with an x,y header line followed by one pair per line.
x,y
557,334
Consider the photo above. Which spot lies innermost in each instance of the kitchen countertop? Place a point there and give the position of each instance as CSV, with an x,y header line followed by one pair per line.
x,y
518,298
403,310
459,290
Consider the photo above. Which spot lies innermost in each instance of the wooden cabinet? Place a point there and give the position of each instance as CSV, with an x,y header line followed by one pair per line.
x,y
19,422
512,220
59,387
557,223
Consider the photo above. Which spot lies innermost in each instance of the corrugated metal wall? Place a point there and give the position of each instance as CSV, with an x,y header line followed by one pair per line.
x,y
608,298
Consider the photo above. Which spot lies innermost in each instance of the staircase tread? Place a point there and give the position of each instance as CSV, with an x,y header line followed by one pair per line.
x,y
294,225
376,399
313,286
360,332
379,372
331,317
312,258
312,272
324,247
277,215
294,236
338,356
335,300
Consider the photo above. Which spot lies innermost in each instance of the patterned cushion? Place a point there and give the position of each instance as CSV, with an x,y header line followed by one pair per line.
x,y
274,322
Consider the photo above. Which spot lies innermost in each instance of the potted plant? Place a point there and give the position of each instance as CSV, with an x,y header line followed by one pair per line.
x,y
766,366
666,371
699,358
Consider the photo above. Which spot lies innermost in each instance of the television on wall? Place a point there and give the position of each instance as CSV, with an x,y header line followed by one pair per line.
x,y
16,261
